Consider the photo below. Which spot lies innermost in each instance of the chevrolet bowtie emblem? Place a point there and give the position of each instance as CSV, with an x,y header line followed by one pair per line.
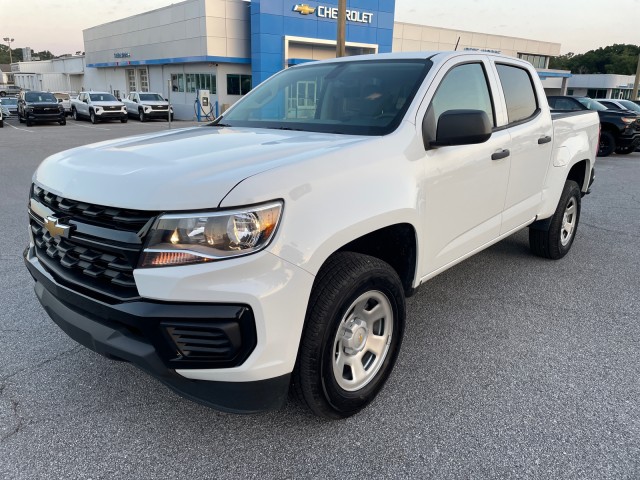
x,y
56,230
304,9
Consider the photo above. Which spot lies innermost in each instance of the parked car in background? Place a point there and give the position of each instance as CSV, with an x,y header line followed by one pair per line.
x,y
620,104
147,105
619,130
1,116
9,90
10,104
65,100
39,107
98,106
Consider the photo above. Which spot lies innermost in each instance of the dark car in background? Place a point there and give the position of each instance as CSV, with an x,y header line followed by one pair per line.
x,y
40,107
619,129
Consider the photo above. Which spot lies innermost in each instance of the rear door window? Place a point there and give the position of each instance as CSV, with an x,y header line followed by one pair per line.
x,y
518,92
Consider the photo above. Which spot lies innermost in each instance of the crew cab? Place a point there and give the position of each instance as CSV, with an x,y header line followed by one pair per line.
x,y
619,129
39,107
98,106
147,105
273,249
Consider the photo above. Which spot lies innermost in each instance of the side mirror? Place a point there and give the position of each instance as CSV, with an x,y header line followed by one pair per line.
x,y
135,100
59,100
166,99
461,127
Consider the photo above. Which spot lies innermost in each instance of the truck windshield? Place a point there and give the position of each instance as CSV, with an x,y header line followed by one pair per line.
x,y
151,97
40,97
102,97
591,104
629,105
355,98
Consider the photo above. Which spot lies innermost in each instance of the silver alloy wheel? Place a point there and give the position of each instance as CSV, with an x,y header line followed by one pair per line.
x,y
362,341
568,222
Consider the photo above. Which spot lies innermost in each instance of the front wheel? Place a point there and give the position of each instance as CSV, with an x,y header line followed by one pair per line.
x,y
63,121
556,242
141,116
607,144
92,117
74,114
124,119
352,336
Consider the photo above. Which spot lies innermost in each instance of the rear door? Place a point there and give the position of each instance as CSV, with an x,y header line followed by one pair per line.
x,y
531,130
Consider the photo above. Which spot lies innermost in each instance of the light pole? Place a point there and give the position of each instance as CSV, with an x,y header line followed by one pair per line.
x,y
9,40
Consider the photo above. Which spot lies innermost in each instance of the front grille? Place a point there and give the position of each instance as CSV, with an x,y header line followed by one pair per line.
x,y
158,107
45,110
109,217
99,254
111,108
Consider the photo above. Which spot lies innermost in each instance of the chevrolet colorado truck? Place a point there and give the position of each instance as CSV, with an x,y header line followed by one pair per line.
x,y
271,251
147,105
98,106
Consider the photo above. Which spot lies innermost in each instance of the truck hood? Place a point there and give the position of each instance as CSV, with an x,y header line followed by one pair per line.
x,y
183,169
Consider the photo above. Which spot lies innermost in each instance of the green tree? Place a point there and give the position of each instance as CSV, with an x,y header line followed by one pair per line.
x,y
620,59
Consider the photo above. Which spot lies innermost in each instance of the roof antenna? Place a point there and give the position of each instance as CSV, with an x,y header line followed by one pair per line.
x,y
457,44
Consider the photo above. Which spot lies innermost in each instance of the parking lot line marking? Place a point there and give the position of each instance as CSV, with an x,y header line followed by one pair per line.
x,y
22,129
87,126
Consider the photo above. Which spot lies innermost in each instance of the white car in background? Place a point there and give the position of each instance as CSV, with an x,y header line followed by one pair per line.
x,y
147,105
98,106
64,99
9,105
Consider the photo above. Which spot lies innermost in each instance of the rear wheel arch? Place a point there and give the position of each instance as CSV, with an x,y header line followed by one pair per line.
x,y
579,173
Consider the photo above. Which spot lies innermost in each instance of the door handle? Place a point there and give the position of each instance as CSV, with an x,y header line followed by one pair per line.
x,y
543,140
500,155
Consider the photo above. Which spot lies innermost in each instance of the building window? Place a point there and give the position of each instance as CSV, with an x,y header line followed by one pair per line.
x,y
144,80
131,79
177,82
570,91
238,84
538,61
596,93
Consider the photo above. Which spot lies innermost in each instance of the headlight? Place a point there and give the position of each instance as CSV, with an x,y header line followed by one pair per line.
x,y
98,109
184,239
628,119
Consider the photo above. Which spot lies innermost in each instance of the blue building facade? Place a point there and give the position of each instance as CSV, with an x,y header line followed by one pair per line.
x,y
279,27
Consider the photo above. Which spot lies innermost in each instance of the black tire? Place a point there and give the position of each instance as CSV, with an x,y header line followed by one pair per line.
x,y
124,119
63,121
74,114
555,242
2,94
607,144
92,117
28,122
1,123
141,116
345,278
20,119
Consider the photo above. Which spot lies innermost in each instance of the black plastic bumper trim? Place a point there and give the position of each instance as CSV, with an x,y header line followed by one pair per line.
x,y
95,331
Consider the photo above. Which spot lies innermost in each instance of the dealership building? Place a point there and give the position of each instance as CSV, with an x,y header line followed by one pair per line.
x,y
228,46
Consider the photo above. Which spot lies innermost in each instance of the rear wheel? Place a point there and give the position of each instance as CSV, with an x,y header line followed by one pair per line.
x,y
352,336
556,242
607,144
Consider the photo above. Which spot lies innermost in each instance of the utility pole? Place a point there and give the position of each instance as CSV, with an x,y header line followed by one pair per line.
x,y
342,29
634,92
9,40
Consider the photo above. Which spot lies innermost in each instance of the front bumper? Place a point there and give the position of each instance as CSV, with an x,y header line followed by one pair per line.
x,y
111,115
629,140
135,332
163,114
45,117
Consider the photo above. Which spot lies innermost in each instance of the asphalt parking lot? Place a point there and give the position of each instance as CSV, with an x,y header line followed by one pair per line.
x,y
512,366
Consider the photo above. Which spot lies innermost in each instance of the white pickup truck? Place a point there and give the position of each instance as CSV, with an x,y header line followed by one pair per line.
x,y
147,105
273,249
98,106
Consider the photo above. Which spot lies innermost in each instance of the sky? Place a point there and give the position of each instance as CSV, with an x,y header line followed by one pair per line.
x,y
578,25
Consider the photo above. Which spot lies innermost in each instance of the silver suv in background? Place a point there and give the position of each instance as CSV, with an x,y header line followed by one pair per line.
x,y
147,105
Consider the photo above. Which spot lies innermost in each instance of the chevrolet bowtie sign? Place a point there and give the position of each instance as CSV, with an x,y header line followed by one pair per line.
x,y
323,11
